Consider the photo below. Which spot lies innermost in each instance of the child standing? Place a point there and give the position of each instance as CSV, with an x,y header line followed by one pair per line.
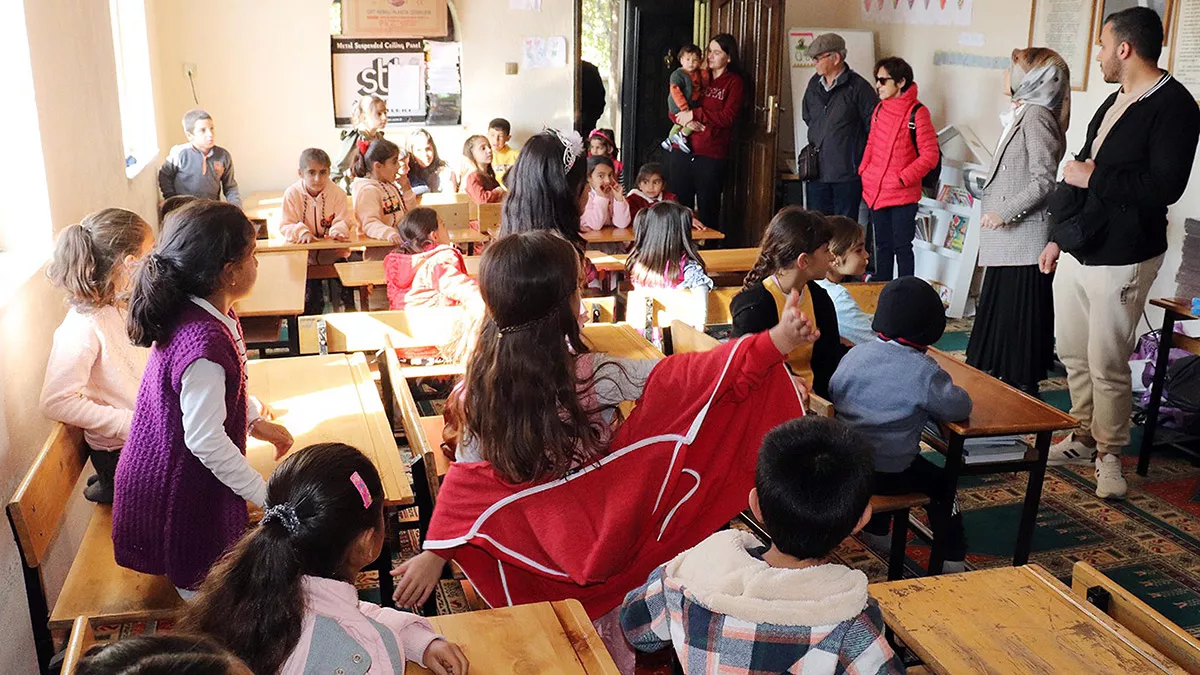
x,y
426,271
889,389
664,255
381,192
183,480
795,254
480,180
601,143
369,117
537,405
687,91
789,610
284,599
199,167
93,373
315,208
606,205
504,156
848,245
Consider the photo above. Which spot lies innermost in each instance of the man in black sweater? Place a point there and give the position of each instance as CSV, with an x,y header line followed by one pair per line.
x,y
1135,163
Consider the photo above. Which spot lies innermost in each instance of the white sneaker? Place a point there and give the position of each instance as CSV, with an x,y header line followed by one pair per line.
x,y
1110,484
1070,451
681,143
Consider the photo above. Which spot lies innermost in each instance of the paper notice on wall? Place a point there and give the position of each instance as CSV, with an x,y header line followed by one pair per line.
x,y
386,18
392,69
962,12
1185,53
547,52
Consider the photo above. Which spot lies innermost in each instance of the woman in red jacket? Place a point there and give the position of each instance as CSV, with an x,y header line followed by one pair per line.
x,y
699,178
893,166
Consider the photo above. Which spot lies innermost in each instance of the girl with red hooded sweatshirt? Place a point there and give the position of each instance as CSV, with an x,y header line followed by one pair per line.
x,y
893,166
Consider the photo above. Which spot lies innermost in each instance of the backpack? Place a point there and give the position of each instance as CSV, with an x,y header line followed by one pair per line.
x,y
930,180
1180,406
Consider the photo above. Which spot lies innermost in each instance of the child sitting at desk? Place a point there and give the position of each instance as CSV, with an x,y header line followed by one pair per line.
x,y
369,117
426,270
504,155
664,255
889,389
284,598
606,205
848,246
315,208
795,254
479,179
381,191
199,167
782,608
601,144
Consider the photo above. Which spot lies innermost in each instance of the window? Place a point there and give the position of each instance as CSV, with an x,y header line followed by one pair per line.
x,y
134,88
25,233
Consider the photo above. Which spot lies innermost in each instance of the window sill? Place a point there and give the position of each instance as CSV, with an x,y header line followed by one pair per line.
x,y
17,268
147,160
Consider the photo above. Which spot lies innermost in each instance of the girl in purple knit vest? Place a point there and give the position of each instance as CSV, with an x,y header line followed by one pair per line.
x,y
183,481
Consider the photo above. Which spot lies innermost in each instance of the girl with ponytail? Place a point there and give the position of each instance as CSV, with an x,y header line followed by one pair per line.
x,y
93,373
183,480
381,191
284,599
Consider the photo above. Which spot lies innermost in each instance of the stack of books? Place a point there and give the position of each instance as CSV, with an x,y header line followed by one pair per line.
x,y
993,449
1187,279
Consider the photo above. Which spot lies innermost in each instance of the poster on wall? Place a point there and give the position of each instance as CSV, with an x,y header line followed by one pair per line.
x,y
1185,53
393,69
383,18
1160,7
860,54
1066,27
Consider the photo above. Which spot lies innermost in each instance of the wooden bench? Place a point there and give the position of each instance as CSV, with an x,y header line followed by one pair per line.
x,y
685,339
647,308
487,215
866,294
1138,617
95,586
456,215
278,296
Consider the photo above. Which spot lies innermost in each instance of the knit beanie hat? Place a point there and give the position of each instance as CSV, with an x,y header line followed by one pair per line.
x,y
910,311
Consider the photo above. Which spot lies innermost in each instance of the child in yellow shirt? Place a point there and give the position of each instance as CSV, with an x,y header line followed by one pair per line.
x,y
504,156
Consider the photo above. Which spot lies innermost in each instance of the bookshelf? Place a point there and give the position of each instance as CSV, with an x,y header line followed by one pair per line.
x,y
946,246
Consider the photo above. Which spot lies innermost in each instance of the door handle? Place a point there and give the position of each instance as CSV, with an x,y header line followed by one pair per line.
x,y
772,107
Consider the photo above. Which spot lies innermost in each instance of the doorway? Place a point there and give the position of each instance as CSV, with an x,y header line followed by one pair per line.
x,y
654,32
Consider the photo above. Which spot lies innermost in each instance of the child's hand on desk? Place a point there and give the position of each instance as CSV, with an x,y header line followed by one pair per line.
x,y
445,658
338,235
304,237
697,225
794,328
419,575
395,238
275,434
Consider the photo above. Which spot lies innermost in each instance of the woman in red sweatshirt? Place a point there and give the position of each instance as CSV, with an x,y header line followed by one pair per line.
x,y
699,178
893,166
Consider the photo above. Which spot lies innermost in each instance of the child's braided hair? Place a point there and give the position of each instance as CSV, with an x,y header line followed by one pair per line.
x,y
791,232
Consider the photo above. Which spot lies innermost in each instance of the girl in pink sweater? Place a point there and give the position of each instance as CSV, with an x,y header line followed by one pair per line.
x,y
284,599
606,205
315,208
381,191
94,371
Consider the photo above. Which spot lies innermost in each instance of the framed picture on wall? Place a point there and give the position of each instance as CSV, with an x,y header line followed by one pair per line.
x,y
1066,27
1162,7
1185,48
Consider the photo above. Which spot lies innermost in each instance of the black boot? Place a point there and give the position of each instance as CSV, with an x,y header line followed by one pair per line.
x,y
105,463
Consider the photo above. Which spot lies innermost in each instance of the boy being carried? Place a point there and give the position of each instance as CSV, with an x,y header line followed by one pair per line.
x,y
888,389
687,91
781,608
199,167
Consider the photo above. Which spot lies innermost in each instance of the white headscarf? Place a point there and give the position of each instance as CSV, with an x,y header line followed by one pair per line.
x,y
1045,85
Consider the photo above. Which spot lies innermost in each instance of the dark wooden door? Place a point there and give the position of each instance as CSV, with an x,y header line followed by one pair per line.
x,y
750,184
654,32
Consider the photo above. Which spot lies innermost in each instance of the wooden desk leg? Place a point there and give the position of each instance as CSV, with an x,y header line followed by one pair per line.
x,y
954,461
293,343
389,400
1033,499
1156,387
383,565
364,298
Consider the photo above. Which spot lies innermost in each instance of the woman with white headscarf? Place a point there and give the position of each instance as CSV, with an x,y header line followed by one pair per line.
x,y
1013,337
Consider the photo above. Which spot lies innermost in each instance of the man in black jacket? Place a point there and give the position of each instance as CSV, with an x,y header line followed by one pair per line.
x,y
1135,163
837,108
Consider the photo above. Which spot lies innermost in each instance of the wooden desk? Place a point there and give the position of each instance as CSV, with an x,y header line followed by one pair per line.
x,y
370,272
278,294
619,339
281,244
614,234
1010,620
413,330
999,410
323,399
545,638
1174,309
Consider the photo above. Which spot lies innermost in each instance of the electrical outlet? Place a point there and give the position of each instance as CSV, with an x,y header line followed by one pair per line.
x,y
510,68
189,70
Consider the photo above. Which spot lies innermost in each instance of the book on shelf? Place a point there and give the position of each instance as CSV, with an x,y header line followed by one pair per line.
x,y
956,233
944,292
991,441
956,195
1012,452
925,225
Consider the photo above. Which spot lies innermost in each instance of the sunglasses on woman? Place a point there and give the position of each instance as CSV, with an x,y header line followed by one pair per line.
x,y
883,80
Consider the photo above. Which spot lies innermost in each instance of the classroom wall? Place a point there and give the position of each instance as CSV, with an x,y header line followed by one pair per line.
x,y
70,42
972,96
266,79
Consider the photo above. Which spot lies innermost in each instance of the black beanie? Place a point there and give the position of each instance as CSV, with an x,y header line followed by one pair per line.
x,y
909,309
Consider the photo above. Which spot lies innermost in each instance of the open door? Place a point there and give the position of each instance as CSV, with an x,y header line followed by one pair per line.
x,y
750,186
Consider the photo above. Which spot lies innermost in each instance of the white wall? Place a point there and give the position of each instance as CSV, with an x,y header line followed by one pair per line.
x,y
266,80
74,75
972,96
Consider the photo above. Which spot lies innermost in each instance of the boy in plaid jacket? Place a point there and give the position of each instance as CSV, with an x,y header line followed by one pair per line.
x,y
733,605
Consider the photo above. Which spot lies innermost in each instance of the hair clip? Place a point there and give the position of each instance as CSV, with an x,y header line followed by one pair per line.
x,y
285,514
361,486
572,147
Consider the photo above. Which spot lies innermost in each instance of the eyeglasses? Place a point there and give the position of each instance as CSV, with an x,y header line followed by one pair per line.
x,y
818,57
883,80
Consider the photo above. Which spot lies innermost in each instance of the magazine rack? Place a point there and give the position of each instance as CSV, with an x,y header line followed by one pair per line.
x,y
946,246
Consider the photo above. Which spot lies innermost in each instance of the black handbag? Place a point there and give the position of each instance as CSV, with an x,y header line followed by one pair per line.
x,y
808,163
1068,228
